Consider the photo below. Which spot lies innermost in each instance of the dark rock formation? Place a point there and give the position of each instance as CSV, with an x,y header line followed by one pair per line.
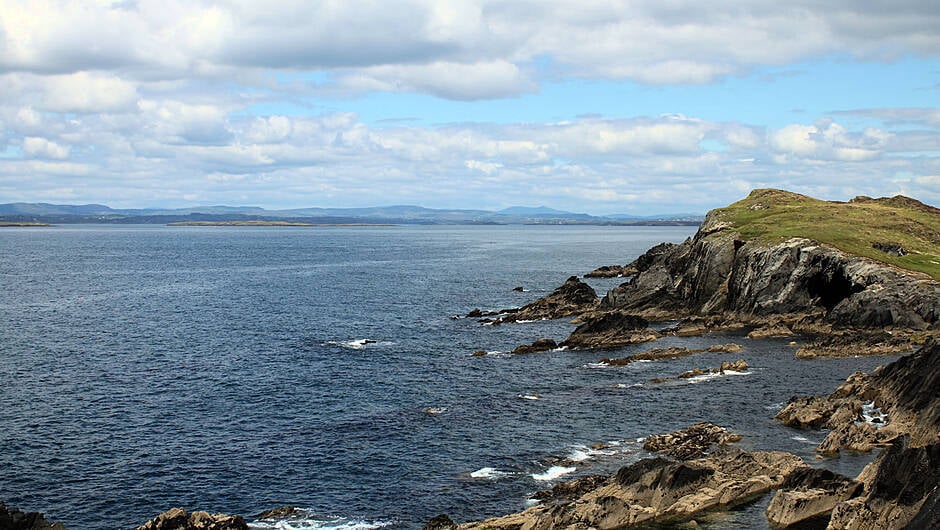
x,y
810,494
278,513
800,282
612,271
440,522
611,329
905,391
539,345
179,519
691,442
13,519
660,490
652,355
894,249
902,489
572,298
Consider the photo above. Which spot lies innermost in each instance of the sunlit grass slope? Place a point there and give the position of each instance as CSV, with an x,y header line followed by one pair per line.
x,y
857,227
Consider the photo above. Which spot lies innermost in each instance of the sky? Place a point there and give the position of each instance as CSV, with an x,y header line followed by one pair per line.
x,y
640,107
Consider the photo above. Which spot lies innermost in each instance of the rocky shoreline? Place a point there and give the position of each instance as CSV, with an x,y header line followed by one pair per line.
x,y
837,304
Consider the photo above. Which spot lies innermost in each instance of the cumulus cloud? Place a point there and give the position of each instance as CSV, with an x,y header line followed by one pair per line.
x,y
827,140
34,147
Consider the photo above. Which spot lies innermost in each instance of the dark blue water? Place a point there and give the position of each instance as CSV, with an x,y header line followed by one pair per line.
x,y
225,369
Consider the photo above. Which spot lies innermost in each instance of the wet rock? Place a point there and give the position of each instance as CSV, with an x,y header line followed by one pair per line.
x,y
440,522
475,313
653,355
660,490
691,442
179,519
810,494
610,329
13,519
479,353
278,513
612,271
735,366
572,298
905,391
770,331
725,348
539,345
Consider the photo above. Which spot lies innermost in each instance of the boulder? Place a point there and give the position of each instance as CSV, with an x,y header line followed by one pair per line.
x,y
440,522
179,519
539,345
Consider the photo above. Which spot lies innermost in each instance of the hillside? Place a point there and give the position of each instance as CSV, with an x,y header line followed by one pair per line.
x,y
899,231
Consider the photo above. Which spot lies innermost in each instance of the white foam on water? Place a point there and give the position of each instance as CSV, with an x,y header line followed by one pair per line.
x,y
560,348
708,377
312,522
434,410
870,412
489,473
358,344
803,439
624,385
553,472
775,406
595,365
531,397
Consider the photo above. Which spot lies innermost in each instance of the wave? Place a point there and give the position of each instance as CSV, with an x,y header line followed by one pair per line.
x,y
305,520
873,415
530,396
708,377
357,344
489,473
553,472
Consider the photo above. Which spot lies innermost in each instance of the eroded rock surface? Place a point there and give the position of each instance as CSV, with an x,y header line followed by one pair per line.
x,y
180,519
810,494
611,329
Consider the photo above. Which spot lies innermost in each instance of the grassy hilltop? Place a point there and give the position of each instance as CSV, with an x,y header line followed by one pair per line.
x,y
873,228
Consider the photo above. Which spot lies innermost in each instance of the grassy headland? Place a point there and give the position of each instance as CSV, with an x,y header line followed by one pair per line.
x,y
899,231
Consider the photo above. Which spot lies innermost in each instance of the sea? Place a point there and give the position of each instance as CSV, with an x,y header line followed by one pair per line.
x,y
240,369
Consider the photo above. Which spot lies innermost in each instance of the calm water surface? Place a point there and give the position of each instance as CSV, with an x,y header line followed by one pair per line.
x,y
241,369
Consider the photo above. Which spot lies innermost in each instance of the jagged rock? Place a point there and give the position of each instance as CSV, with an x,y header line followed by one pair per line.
x,y
13,519
612,271
902,491
539,345
179,519
519,289
653,355
661,490
809,494
717,273
440,522
735,366
691,442
278,513
905,391
572,488
856,342
611,329
770,331
725,348
574,297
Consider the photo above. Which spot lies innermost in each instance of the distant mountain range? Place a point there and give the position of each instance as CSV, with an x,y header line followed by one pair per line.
x,y
99,213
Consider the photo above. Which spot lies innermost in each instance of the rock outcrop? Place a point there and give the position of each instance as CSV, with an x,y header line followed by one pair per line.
x,y
180,519
720,273
905,391
13,519
902,490
810,494
691,442
572,298
661,490
539,345
611,329
612,271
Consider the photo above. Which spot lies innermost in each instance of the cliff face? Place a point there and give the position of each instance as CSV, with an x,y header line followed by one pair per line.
x,y
719,273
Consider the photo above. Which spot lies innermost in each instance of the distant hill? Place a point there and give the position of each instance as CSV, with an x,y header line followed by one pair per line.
x,y
397,214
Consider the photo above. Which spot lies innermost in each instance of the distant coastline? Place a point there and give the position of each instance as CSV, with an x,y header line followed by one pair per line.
x,y
268,223
4,224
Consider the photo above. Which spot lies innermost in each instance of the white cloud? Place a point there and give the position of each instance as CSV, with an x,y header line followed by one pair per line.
x,y
84,92
34,147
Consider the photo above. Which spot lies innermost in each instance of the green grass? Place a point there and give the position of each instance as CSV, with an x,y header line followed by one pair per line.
x,y
773,216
